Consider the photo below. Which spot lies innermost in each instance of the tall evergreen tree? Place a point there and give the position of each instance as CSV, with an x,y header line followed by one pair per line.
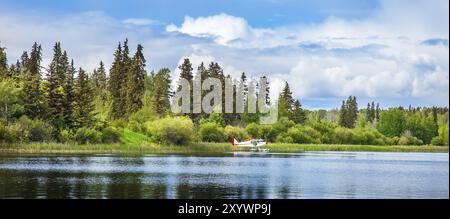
x,y
136,83
56,74
162,91
297,114
285,101
102,78
83,101
116,82
69,95
30,68
3,62
348,113
186,73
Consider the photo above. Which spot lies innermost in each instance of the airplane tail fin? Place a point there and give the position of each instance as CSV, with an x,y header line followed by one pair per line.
x,y
234,142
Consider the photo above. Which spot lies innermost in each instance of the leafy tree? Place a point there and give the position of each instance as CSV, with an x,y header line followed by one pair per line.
x,y
392,122
10,104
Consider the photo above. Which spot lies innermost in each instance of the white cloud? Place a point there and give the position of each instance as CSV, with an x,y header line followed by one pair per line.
x,y
141,21
380,57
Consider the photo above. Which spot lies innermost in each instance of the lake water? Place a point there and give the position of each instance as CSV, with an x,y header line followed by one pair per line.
x,y
234,175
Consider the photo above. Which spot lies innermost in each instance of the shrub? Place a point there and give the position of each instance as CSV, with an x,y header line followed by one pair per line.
x,y
408,139
236,132
211,132
438,141
171,130
343,136
110,135
65,136
253,130
88,136
6,135
34,130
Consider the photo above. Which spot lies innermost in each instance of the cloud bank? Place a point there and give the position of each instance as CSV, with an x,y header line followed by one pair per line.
x,y
397,55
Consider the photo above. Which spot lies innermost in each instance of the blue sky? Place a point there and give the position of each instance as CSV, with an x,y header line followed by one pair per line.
x,y
260,13
392,51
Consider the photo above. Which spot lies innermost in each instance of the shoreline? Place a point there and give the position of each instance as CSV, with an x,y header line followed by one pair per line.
x,y
202,148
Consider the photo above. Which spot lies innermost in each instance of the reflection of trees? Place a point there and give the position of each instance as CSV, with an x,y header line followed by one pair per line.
x,y
215,191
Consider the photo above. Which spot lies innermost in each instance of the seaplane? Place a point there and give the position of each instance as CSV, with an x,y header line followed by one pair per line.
x,y
254,144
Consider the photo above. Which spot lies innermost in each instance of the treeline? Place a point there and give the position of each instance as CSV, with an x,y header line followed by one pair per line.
x,y
63,103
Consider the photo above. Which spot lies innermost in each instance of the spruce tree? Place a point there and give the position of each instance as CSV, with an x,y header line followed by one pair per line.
x,y
69,97
56,74
136,83
3,62
186,73
297,114
162,91
83,101
33,97
115,83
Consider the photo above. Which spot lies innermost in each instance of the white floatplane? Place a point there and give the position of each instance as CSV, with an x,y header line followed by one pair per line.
x,y
254,144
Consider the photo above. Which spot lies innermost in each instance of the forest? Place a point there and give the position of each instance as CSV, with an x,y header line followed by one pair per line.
x,y
61,103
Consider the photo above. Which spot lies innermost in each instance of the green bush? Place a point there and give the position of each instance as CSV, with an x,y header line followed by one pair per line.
x,y
171,130
211,132
343,136
253,130
88,136
438,141
236,132
6,135
34,130
408,139
110,135
66,136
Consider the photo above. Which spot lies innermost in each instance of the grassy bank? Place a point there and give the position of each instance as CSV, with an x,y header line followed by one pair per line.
x,y
202,148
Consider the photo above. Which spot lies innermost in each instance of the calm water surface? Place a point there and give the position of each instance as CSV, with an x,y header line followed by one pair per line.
x,y
233,175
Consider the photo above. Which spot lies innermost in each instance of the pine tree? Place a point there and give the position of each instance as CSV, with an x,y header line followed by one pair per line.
x,y
3,62
162,91
186,73
83,101
69,97
102,83
30,68
136,83
285,101
348,113
115,84
369,113
377,113
55,86
435,121
102,78
343,115
297,114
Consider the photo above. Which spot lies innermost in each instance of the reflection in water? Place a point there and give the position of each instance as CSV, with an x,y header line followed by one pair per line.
x,y
238,175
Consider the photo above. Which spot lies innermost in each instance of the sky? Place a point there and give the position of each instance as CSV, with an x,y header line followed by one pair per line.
x,y
394,52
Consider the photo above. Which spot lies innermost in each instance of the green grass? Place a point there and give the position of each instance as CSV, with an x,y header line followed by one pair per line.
x,y
276,147
145,147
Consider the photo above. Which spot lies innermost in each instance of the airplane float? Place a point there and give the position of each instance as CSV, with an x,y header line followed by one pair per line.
x,y
254,144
